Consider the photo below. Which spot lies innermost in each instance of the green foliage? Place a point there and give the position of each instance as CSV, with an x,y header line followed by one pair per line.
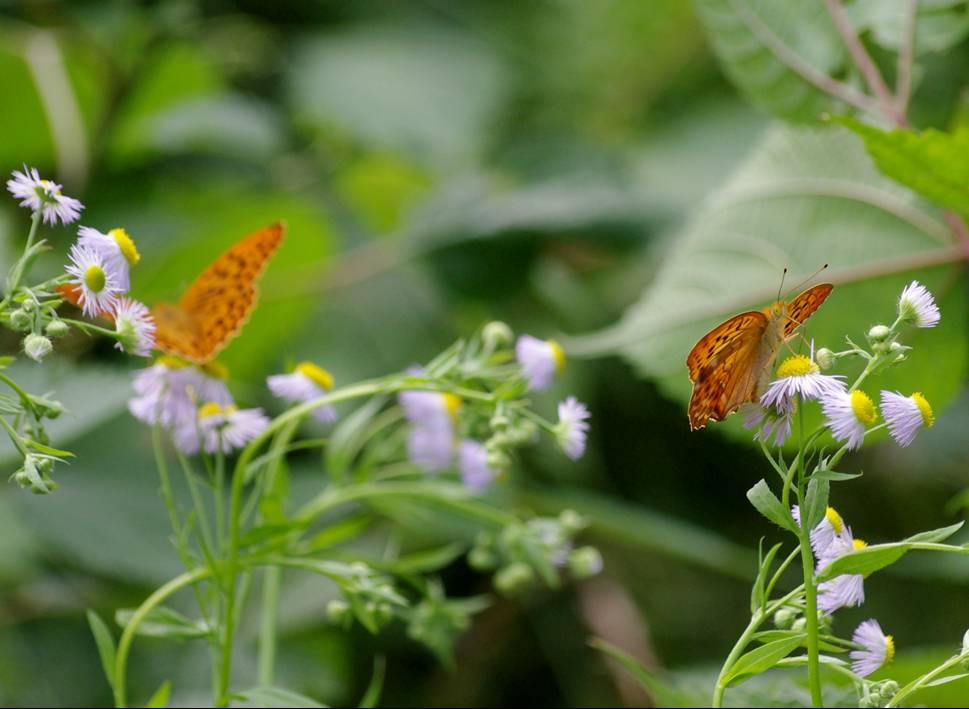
x,y
933,163
877,556
773,50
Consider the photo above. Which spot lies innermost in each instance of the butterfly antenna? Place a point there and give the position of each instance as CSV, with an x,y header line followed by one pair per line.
x,y
780,288
808,279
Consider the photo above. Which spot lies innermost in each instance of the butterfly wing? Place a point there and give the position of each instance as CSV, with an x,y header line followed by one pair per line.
x,y
219,301
803,306
723,367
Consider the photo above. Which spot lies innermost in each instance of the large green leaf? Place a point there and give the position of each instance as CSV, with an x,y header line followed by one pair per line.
x,y
940,24
805,198
933,163
776,51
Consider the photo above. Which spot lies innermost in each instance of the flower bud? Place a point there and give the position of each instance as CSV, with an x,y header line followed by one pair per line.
x,y
57,328
585,562
571,522
21,320
799,624
481,559
784,618
514,578
887,689
338,610
37,347
497,334
825,359
498,460
879,333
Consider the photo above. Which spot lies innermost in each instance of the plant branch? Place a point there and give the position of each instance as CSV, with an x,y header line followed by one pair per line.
x,y
906,57
865,63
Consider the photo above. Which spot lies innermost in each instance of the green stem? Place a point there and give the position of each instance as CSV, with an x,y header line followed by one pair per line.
x,y
18,270
920,682
742,642
267,631
131,629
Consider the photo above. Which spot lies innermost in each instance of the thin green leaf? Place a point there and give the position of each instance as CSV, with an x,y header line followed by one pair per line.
x,y
164,622
816,502
273,697
761,659
105,642
870,559
664,694
765,502
757,591
946,680
160,698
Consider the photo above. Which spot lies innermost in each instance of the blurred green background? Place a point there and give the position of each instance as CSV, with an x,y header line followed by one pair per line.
x,y
441,164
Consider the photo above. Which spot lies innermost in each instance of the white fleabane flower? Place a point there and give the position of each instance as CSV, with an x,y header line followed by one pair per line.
x,y
167,392
43,196
905,415
476,474
846,590
431,446
305,383
769,423
540,360
799,375
877,650
116,247
432,415
825,532
848,415
98,281
220,427
573,427
135,326
917,306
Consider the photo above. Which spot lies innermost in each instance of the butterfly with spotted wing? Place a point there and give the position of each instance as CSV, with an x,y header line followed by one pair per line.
x,y
730,364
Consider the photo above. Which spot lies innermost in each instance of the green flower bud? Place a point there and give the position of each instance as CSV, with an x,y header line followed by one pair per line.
x,y
37,347
585,562
57,328
879,333
825,359
799,624
497,334
514,578
887,689
21,320
481,559
571,522
784,618
338,610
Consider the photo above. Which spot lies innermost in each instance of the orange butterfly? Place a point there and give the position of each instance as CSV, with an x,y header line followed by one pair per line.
x,y
217,304
729,365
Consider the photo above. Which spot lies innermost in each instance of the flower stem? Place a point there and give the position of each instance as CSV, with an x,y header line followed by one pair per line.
x,y
807,565
267,631
18,270
742,642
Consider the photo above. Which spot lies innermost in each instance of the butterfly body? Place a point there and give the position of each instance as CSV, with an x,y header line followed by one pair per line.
x,y
730,365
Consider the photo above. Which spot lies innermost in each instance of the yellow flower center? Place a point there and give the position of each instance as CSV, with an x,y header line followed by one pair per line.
x,y
316,374
216,370
863,407
214,409
925,408
796,366
452,403
126,244
94,278
889,649
209,409
559,354
171,362
834,519
859,544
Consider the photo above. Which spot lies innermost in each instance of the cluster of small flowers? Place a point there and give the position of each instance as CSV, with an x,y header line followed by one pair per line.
x,y
99,270
433,441
522,552
194,403
831,539
849,413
